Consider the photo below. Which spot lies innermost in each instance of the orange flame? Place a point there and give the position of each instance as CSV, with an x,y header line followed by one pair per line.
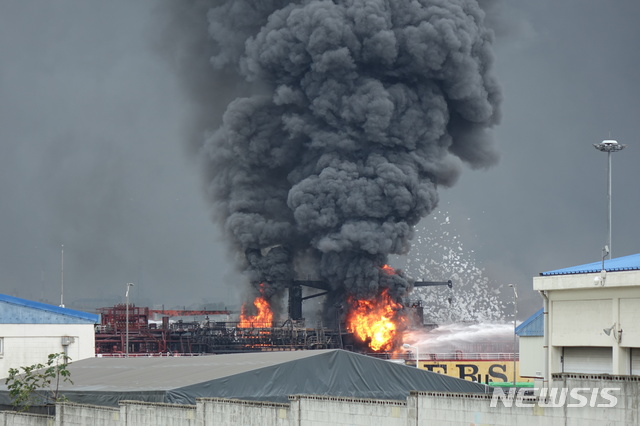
x,y
388,269
376,322
263,318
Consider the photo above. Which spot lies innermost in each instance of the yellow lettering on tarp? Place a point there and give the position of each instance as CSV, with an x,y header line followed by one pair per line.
x,y
483,371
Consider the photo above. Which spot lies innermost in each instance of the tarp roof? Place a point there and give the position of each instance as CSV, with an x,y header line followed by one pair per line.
x,y
625,263
264,376
14,310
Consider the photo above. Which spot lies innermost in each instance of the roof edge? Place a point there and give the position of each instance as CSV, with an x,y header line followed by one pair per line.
x,y
49,308
625,263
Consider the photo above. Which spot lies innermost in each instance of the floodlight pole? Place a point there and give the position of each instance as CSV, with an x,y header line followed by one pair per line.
x,y
126,351
515,315
609,146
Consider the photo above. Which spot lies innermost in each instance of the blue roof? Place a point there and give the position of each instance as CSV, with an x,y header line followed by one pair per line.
x,y
626,263
532,326
14,310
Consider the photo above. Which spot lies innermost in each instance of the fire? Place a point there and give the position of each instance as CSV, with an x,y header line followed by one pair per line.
x,y
376,322
262,319
388,269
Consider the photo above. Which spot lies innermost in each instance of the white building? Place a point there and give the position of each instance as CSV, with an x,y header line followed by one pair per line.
x,y
593,317
531,346
30,331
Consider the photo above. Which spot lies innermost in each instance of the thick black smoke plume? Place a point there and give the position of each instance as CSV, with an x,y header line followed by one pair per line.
x,y
359,110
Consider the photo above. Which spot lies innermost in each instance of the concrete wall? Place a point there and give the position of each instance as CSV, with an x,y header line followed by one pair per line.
x,y
28,344
442,409
219,411
10,418
83,415
325,410
149,414
464,410
627,408
129,413
427,408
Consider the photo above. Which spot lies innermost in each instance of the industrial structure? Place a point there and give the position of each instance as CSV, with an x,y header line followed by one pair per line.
x,y
215,332
196,337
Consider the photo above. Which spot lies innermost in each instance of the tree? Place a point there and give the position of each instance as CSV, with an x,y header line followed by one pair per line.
x,y
39,383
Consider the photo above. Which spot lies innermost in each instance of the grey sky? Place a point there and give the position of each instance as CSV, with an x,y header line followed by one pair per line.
x,y
92,153
90,157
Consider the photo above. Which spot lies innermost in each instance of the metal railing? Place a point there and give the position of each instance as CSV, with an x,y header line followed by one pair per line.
x,y
449,356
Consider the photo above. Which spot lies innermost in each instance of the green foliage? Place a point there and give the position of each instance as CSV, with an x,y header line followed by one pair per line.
x,y
39,383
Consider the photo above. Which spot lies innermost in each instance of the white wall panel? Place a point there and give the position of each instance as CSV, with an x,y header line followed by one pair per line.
x,y
580,322
630,322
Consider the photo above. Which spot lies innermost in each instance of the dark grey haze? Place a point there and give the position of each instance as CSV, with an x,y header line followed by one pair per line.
x,y
94,113
362,110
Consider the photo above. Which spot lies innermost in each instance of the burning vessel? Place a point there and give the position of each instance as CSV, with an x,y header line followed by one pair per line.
x,y
370,326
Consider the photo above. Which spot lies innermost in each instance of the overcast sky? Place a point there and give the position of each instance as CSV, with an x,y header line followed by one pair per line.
x,y
93,154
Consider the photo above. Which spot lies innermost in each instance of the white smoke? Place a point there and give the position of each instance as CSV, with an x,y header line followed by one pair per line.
x,y
466,338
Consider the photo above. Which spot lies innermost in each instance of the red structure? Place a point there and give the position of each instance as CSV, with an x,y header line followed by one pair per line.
x,y
184,313
195,337
114,319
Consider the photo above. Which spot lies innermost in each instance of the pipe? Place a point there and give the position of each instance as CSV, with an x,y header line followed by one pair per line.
x,y
546,381
432,283
315,295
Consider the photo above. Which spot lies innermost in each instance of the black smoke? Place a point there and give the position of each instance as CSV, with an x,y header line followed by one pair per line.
x,y
356,112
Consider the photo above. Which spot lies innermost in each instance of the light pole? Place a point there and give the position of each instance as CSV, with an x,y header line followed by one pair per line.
x,y
515,315
62,276
408,346
609,146
126,351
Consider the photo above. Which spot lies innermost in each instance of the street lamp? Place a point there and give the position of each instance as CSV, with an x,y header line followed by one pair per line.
x,y
126,351
515,314
609,146
408,346
62,276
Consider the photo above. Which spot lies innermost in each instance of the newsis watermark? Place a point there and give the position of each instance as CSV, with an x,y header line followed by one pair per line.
x,y
556,397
